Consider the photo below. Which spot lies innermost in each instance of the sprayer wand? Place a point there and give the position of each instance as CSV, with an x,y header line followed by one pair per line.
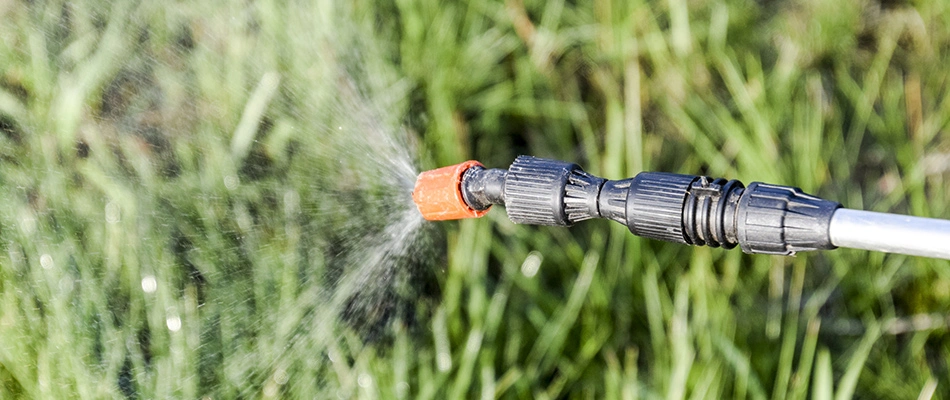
x,y
696,210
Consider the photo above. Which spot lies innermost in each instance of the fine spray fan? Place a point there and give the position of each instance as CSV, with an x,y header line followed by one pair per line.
x,y
760,218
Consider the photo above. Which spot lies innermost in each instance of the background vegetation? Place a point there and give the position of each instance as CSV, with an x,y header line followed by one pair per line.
x,y
176,206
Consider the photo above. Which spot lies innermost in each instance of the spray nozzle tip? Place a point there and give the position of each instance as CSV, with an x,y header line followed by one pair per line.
x,y
438,193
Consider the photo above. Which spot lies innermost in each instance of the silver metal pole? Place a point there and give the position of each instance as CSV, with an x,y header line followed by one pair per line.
x,y
890,233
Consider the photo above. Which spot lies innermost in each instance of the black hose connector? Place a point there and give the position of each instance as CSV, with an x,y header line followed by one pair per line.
x,y
687,209
774,219
761,219
655,205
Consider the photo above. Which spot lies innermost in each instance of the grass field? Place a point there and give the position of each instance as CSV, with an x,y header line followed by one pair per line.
x,y
184,183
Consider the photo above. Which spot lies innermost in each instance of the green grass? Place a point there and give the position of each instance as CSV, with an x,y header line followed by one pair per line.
x,y
191,144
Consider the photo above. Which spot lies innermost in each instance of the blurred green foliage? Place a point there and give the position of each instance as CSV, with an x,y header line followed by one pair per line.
x,y
167,228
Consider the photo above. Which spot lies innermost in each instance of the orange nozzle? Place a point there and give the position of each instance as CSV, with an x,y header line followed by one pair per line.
x,y
438,193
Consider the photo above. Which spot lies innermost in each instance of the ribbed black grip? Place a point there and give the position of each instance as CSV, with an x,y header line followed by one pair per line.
x,y
773,219
655,205
687,209
534,191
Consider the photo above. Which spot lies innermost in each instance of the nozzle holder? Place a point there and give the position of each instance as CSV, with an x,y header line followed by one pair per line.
x,y
539,191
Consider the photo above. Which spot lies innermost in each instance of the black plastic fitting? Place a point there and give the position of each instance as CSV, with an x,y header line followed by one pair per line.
x,y
774,219
483,187
687,209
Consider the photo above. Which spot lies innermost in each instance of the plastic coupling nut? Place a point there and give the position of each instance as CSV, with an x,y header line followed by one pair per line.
x,y
782,220
539,191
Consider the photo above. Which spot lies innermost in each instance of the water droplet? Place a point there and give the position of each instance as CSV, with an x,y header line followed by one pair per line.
x,y
231,182
173,323
28,224
280,376
364,380
270,389
46,261
112,213
149,284
531,264
66,285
